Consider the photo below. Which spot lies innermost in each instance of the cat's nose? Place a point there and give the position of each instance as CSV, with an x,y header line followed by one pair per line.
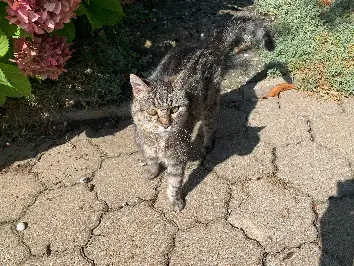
x,y
165,122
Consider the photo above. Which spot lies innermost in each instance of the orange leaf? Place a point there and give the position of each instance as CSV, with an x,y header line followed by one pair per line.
x,y
327,2
279,88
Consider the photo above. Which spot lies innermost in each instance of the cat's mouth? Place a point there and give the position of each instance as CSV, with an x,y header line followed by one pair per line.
x,y
164,131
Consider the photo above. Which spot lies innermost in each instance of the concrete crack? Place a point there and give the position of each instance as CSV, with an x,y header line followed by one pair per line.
x,y
228,200
264,258
247,236
83,255
171,248
157,190
173,237
274,161
315,220
310,128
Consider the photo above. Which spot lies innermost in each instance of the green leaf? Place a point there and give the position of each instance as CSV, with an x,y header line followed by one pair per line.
x,y
3,13
2,99
99,13
4,43
81,10
68,31
8,29
13,83
19,33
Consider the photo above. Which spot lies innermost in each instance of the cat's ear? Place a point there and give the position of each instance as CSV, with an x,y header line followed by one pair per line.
x,y
138,85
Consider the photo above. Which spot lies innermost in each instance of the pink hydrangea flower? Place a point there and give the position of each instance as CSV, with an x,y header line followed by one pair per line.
x,y
43,56
40,16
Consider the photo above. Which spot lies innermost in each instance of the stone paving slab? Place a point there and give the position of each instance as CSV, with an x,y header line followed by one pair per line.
x,y
120,181
120,142
313,169
336,133
17,191
268,212
304,104
278,127
277,189
12,252
240,159
348,106
232,122
66,258
305,255
66,164
61,219
260,90
337,229
206,198
216,243
132,236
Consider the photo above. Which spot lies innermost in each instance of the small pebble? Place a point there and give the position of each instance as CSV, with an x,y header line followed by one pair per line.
x,y
84,180
20,226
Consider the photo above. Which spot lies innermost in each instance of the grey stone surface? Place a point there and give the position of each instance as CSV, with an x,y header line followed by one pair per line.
x,y
17,191
268,212
241,158
67,163
336,133
337,229
278,127
205,200
231,122
132,236
12,252
120,181
303,104
120,142
61,219
307,254
66,258
251,91
312,168
216,243
240,68
277,189
348,105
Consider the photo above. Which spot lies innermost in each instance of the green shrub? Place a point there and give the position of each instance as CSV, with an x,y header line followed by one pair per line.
x,y
315,42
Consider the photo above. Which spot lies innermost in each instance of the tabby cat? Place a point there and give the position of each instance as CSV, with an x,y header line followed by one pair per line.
x,y
185,89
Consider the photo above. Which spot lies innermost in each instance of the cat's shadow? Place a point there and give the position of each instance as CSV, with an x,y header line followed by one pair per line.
x,y
234,137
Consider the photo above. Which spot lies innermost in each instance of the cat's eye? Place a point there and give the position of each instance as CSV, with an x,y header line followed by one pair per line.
x,y
174,109
151,111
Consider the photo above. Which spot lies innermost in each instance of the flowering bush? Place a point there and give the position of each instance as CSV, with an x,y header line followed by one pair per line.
x,y
36,34
37,16
44,57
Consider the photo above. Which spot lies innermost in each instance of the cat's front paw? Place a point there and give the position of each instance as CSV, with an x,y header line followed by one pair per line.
x,y
177,205
152,171
150,175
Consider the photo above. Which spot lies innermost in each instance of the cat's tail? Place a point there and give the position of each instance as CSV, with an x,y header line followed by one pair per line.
x,y
239,30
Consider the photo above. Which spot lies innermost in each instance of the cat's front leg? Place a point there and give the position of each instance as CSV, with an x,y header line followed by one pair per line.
x,y
175,173
152,163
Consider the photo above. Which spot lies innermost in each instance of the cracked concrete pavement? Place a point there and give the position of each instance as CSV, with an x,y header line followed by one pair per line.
x,y
277,189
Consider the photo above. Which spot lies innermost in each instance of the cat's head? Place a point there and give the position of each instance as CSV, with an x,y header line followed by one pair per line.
x,y
157,106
